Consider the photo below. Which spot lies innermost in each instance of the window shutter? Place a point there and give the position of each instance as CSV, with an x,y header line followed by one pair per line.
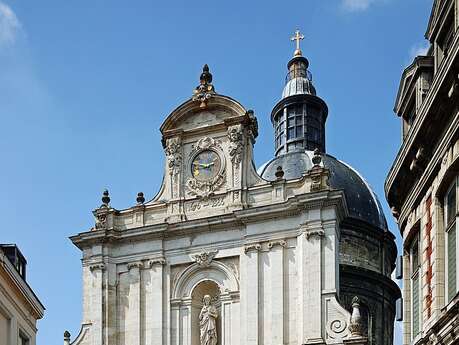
x,y
415,313
451,263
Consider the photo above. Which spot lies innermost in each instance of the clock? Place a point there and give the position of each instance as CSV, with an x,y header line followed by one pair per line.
x,y
206,165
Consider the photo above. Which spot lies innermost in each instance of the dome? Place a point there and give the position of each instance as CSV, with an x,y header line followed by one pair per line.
x,y
361,200
298,86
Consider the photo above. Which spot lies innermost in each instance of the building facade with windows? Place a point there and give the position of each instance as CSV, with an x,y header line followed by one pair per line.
x,y
19,307
422,185
296,252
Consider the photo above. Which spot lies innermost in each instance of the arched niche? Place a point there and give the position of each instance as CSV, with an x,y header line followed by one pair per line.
x,y
217,272
216,280
206,287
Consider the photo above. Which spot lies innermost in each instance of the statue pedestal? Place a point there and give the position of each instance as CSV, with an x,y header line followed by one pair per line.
x,y
356,340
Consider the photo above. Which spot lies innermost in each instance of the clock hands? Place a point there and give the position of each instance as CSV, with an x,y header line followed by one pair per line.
x,y
205,165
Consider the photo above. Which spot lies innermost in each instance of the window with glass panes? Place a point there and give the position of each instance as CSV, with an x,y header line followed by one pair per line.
x,y
295,115
416,299
23,340
451,242
280,128
313,128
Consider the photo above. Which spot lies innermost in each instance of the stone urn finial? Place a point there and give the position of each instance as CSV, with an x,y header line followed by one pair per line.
x,y
279,173
205,89
317,158
66,338
355,325
140,198
105,198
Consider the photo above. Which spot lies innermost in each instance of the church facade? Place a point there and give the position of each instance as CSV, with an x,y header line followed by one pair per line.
x,y
297,252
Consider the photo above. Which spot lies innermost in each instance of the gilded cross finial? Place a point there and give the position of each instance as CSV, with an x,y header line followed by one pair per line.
x,y
297,37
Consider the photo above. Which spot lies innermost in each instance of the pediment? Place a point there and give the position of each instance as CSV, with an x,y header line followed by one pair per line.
x,y
408,79
192,116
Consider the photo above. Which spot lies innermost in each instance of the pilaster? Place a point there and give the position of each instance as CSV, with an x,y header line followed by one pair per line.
x,y
133,320
96,303
277,291
251,302
153,306
310,279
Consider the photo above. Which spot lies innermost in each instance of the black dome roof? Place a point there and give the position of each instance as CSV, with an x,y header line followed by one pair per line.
x,y
361,200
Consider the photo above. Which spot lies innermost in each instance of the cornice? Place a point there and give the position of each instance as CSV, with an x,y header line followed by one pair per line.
x,y
22,286
437,17
424,111
432,166
290,208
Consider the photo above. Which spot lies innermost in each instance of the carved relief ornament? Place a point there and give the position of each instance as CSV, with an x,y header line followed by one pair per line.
x,y
253,246
312,232
235,146
174,155
205,258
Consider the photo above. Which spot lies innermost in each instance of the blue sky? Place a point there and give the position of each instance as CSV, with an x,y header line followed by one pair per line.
x,y
85,86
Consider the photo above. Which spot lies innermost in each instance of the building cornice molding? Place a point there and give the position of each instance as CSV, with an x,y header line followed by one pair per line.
x,y
423,113
22,286
292,207
437,156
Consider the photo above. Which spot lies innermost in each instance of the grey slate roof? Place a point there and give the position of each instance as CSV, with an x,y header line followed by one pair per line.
x,y
361,200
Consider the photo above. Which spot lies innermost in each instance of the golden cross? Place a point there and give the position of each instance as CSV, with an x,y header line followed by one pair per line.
x,y
298,36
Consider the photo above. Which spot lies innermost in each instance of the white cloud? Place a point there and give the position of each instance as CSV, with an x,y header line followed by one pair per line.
x,y
9,25
419,49
357,5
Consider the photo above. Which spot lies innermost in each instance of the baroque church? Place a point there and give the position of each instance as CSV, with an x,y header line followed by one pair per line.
x,y
295,252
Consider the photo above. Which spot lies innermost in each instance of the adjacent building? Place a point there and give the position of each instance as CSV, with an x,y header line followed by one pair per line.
x,y
19,307
296,252
422,185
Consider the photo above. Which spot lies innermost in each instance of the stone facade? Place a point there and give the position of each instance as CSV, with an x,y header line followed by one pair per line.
x,y
19,307
281,259
423,180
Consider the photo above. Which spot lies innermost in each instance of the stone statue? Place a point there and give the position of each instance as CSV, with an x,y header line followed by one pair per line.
x,y
208,322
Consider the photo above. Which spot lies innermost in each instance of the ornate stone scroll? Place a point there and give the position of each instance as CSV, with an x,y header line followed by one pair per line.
x,y
312,231
99,266
253,246
281,243
154,262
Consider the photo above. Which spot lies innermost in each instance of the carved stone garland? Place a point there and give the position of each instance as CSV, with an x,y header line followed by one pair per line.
x,y
174,161
205,189
235,153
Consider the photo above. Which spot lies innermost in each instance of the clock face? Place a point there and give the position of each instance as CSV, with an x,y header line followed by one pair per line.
x,y
206,165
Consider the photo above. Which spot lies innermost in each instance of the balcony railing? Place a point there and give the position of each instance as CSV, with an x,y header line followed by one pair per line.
x,y
298,73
